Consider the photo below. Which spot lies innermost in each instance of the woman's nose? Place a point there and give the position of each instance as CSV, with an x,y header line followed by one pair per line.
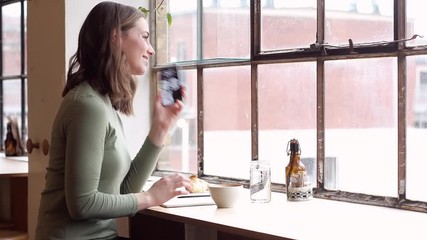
x,y
151,50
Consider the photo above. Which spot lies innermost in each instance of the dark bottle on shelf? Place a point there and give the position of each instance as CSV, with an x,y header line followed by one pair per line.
x,y
10,143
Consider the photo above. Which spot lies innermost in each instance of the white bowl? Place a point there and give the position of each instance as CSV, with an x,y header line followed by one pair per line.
x,y
225,195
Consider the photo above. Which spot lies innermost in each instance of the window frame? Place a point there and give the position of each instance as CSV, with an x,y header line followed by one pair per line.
x,y
396,48
23,74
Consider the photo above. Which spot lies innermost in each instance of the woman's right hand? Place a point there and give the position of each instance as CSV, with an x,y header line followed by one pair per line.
x,y
163,190
163,119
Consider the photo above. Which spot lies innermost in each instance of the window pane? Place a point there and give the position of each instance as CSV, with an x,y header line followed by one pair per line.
x,y
287,24
12,102
287,109
225,32
227,120
11,39
359,20
178,41
180,151
416,22
232,3
416,127
361,124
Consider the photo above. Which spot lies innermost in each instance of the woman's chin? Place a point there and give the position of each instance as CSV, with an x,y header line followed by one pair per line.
x,y
140,71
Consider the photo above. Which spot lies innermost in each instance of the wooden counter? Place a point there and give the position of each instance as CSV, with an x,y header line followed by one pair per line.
x,y
280,219
14,170
13,166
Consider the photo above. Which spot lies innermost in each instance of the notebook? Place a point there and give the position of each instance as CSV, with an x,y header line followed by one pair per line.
x,y
192,199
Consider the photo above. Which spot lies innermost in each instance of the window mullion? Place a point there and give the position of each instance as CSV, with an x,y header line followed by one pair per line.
x,y
1,74
255,16
23,74
200,122
199,30
320,36
255,28
401,128
254,111
320,81
400,25
200,93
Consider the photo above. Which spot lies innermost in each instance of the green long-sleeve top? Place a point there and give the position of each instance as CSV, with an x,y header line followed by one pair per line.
x,y
90,175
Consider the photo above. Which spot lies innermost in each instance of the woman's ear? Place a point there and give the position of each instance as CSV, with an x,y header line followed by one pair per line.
x,y
115,36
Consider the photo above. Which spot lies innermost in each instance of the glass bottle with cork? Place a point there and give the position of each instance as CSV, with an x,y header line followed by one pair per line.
x,y
298,184
10,142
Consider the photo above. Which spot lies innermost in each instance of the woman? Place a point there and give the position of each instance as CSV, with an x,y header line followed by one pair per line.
x,y
91,178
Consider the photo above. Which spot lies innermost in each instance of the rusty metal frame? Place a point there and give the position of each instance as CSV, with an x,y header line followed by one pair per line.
x,y
398,51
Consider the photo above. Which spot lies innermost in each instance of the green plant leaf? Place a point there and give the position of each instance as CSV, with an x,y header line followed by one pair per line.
x,y
169,16
144,10
147,11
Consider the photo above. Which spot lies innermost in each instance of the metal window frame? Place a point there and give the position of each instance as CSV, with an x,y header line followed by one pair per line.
x,y
396,48
23,75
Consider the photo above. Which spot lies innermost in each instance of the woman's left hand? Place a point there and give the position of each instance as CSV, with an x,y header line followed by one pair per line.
x,y
163,119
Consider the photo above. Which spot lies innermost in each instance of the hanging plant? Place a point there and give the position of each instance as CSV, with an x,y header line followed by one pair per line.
x,y
160,9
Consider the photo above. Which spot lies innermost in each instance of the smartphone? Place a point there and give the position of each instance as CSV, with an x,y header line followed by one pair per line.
x,y
171,85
